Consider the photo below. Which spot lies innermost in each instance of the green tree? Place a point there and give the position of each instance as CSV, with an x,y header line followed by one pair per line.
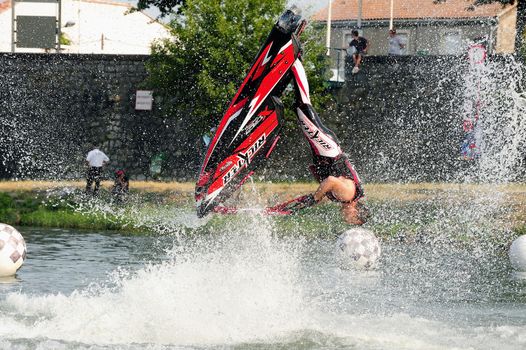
x,y
214,43
166,7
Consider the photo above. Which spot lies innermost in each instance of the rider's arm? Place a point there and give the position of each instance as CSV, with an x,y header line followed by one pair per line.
x,y
297,204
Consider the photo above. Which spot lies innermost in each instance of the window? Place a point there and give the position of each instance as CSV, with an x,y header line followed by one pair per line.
x,y
347,40
452,43
404,35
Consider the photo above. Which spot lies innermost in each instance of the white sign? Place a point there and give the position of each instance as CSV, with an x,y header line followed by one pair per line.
x,y
144,100
477,54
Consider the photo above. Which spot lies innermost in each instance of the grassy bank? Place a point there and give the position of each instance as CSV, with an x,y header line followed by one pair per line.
x,y
405,211
26,208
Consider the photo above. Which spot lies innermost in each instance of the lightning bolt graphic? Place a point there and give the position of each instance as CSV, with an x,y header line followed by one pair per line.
x,y
267,58
256,101
253,106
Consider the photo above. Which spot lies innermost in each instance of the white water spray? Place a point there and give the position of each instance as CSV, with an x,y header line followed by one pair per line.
x,y
499,86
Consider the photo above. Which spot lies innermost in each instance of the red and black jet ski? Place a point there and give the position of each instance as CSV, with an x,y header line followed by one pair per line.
x,y
250,127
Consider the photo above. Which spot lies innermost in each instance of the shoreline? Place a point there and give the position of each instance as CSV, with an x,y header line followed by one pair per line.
x,y
400,210
374,189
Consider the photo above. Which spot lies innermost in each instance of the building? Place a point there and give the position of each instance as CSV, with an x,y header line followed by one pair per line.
x,y
428,28
91,27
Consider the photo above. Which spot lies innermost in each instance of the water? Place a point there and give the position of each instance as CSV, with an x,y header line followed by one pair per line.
x,y
247,289
250,286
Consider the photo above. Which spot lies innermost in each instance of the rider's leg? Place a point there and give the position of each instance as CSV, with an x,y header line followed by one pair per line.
x,y
322,140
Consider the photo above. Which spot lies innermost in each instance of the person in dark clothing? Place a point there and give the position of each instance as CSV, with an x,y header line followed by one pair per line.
x,y
121,184
358,46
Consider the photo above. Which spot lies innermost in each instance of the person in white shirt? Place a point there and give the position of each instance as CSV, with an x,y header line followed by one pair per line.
x,y
95,160
396,43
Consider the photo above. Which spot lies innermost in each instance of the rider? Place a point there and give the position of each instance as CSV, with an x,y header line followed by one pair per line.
x,y
331,167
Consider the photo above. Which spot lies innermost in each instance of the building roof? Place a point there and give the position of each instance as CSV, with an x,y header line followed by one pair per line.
x,y
4,5
99,26
345,10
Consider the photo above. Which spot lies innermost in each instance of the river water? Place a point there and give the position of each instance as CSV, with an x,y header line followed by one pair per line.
x,y
249,289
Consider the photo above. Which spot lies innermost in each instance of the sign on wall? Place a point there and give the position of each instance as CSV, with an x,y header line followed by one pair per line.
x,y
36,31
35,25
144,100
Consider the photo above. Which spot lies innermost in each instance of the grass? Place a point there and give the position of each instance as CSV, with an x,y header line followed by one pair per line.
x,y
400,210
400,191
69,219
32,185
35,209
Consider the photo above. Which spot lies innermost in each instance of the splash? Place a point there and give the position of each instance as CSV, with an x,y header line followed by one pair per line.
x,y
137,212
495,90
240,287
248,289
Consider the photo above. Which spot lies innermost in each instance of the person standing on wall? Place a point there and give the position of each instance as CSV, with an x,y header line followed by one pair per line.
x,y
396,43
95,160
358,47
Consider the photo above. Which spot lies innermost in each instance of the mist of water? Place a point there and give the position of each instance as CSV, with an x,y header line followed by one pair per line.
x,y
222,290
247,288
498,88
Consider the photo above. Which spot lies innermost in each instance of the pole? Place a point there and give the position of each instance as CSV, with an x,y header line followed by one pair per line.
x,y
328,41
59,26
520,28
338,70
392,10
359,23
78,27
13,18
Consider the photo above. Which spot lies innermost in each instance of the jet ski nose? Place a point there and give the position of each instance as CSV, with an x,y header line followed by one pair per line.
x,y
295,10
289,20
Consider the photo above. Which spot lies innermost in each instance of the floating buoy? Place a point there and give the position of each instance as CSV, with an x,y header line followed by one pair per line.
x,y
12,250
360,247
517,254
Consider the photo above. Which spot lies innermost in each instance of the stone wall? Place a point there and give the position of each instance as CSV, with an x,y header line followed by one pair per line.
x,y
54,107
399,118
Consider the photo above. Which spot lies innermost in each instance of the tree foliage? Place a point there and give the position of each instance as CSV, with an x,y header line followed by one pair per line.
x,y
165,6
214,43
